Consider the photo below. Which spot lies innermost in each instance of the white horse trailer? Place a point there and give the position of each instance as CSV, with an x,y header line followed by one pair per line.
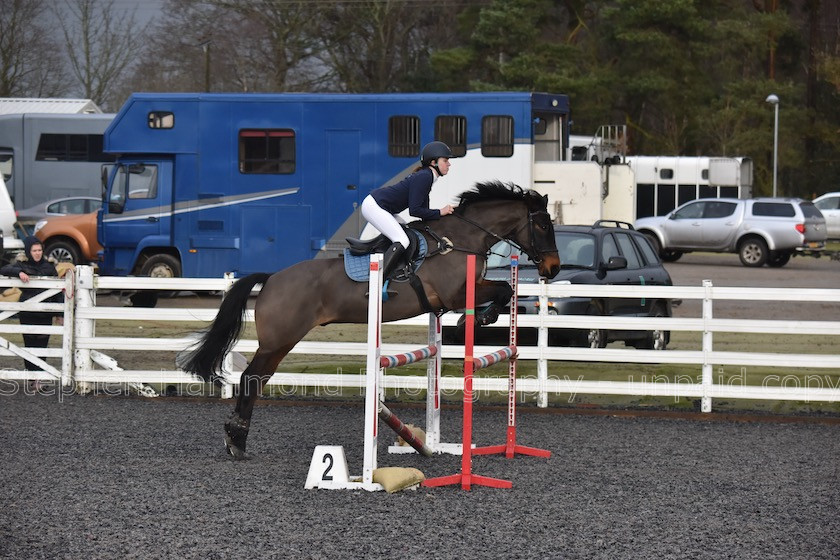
x,y
665,182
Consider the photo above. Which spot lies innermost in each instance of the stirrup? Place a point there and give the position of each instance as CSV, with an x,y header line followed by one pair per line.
x,y
386,293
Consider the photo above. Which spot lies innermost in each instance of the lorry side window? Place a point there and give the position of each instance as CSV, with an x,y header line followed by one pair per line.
x,y
267,151
404,136
452,130
497,136
6,166
142,181
161,119
71,147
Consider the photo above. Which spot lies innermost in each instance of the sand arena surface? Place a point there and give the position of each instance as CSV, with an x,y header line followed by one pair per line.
x,y
115,477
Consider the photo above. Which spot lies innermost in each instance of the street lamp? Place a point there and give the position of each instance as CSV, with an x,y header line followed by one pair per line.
x,y
774,100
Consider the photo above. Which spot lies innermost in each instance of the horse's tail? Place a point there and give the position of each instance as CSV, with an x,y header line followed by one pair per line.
x,y
205,359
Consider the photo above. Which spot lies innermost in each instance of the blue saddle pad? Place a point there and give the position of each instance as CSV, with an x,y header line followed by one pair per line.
x,y
357,267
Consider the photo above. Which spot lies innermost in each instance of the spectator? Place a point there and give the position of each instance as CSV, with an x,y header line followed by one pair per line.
x,y
33,265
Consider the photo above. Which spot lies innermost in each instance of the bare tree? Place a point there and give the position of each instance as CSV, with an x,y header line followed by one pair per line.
x,y
226,45
30,60
100,45
380,46
277,51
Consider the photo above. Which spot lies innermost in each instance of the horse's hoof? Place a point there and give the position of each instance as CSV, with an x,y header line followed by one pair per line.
x,y
487,316
234,451
236,436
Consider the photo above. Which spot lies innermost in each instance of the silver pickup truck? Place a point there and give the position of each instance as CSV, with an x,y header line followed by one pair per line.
x,y
761,230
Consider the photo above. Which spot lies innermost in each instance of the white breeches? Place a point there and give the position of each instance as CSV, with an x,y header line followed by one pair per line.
x,y
384,221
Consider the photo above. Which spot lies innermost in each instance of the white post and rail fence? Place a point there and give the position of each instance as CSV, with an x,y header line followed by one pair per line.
x,y
84,351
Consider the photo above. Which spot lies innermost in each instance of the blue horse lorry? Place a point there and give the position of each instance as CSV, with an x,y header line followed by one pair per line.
x,y
205,184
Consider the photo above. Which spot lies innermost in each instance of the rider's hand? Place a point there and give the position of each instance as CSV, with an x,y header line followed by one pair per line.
x,y
446,210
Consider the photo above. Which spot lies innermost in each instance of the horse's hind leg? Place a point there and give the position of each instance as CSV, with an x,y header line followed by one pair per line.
x,y
251,385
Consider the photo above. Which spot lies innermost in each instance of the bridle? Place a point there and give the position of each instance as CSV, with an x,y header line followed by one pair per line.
x,y
536,259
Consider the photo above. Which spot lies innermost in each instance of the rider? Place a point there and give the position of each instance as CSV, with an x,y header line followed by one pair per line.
x,y
381,205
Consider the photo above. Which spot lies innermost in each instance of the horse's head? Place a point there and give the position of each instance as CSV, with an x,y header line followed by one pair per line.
x,y
531,230
541,246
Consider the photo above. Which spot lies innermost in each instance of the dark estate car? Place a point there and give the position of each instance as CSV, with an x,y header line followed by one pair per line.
x,y
607,252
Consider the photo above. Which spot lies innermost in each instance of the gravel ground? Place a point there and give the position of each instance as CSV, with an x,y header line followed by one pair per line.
x,y
114,477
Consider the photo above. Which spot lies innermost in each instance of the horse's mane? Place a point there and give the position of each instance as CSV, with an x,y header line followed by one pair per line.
x,y
490,190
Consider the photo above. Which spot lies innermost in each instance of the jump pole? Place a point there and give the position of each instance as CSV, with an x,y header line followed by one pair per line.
x,y
510,448
433,400
466,478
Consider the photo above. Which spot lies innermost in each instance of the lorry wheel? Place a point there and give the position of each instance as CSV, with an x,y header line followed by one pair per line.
x,y
161,266
63,251
753,252
778,259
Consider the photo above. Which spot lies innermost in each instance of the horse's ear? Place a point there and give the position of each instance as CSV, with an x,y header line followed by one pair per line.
x,y
545,199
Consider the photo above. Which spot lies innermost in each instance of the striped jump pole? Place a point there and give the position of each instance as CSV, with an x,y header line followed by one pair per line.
x,y
510,448
466,478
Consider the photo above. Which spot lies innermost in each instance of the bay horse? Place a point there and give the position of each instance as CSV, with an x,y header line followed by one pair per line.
x,y
318,292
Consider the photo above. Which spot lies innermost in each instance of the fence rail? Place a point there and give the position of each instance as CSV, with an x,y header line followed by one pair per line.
x,y
84,354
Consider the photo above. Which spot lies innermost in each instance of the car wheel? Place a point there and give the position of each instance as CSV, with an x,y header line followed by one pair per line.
x,y
654,242
63,251
593,338
753,252
671,256
778,259
656,339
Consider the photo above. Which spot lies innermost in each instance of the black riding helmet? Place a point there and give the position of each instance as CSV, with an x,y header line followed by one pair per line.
x,y
434,150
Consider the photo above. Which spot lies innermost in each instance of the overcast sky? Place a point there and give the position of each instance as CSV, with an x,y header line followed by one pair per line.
x,y
146,9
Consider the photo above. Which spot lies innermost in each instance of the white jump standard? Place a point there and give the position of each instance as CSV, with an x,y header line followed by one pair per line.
x,y
328,468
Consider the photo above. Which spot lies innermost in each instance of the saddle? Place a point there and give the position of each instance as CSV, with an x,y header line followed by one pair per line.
x,y
357,263
412,256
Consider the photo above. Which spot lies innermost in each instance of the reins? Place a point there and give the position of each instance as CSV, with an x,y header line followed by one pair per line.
x,y
530,225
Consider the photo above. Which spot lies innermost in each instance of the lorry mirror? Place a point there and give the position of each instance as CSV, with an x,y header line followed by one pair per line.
x,y
136,168
115,207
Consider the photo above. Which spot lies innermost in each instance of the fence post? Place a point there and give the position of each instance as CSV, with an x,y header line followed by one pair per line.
x,y
706,400
85,296
542,344
68,339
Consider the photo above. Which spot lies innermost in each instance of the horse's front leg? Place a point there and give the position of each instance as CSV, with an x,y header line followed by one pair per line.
x,y
498,293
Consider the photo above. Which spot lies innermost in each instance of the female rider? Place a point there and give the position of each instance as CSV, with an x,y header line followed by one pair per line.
x,y
381,205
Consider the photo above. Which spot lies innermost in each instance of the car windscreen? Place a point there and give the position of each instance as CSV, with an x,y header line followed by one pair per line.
x,y
500,254
575,249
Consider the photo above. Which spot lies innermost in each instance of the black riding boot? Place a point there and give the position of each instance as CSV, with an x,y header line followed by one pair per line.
x,y
391,259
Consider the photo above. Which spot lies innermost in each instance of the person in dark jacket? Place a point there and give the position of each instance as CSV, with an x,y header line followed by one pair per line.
x,y
381,205
34,265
